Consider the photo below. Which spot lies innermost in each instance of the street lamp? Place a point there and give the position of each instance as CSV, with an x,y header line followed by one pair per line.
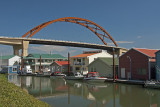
x,y
130,64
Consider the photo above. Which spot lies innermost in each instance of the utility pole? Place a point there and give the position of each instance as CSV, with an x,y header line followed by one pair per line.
x,y
40,64
113,65
21,62
68,63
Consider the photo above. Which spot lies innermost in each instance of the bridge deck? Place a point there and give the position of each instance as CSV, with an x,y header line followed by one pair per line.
x,y
60,43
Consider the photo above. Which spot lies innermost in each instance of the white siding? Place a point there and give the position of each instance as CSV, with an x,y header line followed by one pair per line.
x,y
102,54
13,60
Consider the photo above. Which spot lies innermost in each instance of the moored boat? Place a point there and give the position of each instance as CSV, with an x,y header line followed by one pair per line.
x,y
152,84
57,74
43,74
76,76
94,77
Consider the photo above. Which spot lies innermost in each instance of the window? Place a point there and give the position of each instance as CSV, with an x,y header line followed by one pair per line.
x,y
92,69
71,68
77,68
142,71
83,59
14,69
78,60
58,68
83,68
42,60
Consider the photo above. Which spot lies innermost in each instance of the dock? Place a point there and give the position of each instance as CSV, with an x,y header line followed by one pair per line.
x,y
124,81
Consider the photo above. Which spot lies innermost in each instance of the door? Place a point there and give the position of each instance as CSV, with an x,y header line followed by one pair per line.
x,y
122,72
10,70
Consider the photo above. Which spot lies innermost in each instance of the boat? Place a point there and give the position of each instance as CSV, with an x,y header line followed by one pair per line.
x,y
76,76
43,74
57,74
94,77
152,84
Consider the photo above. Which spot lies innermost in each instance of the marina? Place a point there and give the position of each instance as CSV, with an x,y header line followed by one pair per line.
x,y
59,92
66,53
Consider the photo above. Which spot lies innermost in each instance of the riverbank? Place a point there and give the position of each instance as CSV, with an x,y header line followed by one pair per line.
x,y
12,95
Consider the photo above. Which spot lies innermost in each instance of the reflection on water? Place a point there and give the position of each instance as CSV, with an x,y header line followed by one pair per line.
x,y
59,93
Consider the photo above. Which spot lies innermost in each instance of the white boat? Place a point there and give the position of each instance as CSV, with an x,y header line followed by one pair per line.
x,y
76,76
152,84
94,77
57,74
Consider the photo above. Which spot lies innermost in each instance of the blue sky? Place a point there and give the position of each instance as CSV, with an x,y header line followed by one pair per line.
x,y
132,23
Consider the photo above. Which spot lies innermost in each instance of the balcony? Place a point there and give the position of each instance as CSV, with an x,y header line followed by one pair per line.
x,y
79,63
30,63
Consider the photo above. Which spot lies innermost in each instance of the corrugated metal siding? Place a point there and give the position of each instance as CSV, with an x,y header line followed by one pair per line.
x,y
158,65
101,67
138,60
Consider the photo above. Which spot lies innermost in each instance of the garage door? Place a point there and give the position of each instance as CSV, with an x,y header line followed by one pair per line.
x,y
122,72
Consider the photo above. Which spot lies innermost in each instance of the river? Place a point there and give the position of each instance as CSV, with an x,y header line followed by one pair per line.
x,y
62,93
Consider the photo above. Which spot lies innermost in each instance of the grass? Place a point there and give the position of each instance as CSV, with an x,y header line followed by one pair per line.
x,y
13,96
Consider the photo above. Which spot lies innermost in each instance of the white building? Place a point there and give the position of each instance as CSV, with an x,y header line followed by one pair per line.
x,y
10,63
46,59
79,63
9,60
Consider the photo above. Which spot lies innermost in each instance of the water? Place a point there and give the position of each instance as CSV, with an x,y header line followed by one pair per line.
x,y
62,93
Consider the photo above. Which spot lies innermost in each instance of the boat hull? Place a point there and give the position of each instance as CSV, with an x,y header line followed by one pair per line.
x,y
73,78
57,77
26,74
152,85
95,79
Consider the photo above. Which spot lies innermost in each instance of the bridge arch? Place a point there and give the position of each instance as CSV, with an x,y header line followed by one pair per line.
x,y
95,28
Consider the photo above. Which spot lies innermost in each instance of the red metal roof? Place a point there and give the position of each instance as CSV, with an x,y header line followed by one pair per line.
x,y
60,63
148,52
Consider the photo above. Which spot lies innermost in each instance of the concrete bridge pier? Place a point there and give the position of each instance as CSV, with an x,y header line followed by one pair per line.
x,y
118,52
16,49
23,46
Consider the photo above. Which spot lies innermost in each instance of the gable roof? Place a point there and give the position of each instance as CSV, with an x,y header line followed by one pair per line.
x,y
157,52
7,56
83,55
148,52
60,63
45,56
108,61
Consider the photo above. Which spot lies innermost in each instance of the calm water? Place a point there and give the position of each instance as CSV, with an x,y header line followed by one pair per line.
x,y
62,93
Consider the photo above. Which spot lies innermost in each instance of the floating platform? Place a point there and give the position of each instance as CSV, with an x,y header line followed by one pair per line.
x,y
134,82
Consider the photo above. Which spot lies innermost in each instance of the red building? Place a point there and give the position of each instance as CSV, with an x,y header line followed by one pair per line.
x,y
137,64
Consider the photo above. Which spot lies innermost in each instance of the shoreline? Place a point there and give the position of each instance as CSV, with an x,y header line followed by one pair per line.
x,y
12,95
